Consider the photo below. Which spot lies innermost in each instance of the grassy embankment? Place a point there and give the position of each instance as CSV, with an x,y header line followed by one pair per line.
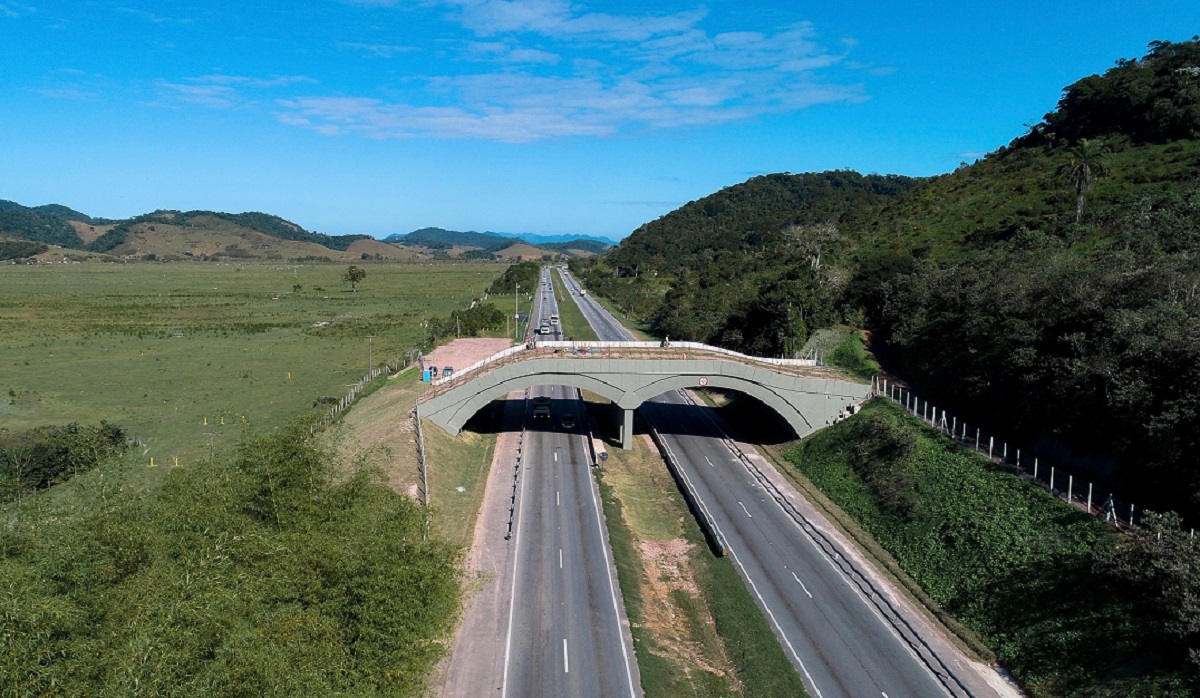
x,y
1006,559
257,344
574,326
696,629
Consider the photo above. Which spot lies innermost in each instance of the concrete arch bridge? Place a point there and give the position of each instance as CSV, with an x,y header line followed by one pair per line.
x,y
629,373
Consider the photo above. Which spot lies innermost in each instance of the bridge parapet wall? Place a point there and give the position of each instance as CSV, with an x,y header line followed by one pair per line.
x,y
807,401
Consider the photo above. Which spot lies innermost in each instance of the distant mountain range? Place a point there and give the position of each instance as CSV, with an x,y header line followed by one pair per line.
x,y
440,238
166,235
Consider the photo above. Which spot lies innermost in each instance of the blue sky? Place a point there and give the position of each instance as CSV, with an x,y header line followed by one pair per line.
x,y
541,116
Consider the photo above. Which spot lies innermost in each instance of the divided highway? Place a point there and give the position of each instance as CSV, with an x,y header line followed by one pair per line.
x,y
566,631
837,639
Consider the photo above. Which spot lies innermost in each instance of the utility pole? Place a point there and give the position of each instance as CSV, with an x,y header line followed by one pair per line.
x,y
516,311
211,435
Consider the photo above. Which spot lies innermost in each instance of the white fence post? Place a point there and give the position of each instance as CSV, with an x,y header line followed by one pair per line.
x,y
1089,506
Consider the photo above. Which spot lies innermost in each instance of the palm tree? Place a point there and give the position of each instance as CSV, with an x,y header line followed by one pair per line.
x,y
1089,162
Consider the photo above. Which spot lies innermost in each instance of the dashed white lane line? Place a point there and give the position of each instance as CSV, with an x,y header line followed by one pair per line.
x,y
806,591
560,565
566,661
556,456
709,462
743,506
557,501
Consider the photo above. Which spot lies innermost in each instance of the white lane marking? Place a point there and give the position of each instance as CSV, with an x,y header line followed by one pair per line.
x,y
556,456
560,565
883,694
743,506
709,462
806,591
566,662
557,502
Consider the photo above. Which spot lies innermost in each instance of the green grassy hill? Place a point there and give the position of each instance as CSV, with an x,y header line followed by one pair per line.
x,y
1047,290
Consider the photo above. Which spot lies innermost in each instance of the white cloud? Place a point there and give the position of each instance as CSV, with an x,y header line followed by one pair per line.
x,y
15,9
219,91
554,68
378,50
560,19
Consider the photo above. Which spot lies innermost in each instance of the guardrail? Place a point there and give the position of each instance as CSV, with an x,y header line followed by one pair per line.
x,y
708,525
512,502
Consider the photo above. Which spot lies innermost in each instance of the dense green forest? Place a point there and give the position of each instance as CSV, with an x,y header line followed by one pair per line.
x,y
1049,290
270,574
26,223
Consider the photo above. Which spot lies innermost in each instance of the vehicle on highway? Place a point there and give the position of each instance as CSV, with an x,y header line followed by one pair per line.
x,y
541,411
553,319
568,421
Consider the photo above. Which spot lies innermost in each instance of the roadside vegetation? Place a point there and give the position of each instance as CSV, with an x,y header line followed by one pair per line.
x,y
260,573
1045,586
696,629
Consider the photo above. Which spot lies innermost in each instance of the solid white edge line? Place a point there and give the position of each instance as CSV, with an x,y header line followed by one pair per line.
x,y
512,599
774,622
612,591
754,587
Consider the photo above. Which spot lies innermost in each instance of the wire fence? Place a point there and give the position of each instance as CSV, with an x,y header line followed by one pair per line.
x,y
1059,481
356,388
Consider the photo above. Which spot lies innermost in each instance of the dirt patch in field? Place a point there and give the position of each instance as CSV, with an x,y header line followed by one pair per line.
x,y
464,352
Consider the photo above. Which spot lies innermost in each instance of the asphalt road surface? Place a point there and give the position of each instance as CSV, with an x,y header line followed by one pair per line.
x,y
837,638
567,634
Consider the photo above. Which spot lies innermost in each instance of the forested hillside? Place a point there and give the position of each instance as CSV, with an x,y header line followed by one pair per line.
x,y
258,222
1050,289
24,223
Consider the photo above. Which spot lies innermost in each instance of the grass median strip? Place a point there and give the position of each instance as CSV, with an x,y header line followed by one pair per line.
x,y
574,326
696,629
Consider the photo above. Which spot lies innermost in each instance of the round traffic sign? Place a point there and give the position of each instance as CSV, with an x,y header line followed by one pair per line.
x,y
703,380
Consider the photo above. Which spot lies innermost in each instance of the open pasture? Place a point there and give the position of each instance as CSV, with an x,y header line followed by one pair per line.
x,y
161,348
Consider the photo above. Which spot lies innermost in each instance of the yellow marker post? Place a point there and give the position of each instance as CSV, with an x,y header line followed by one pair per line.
x,y
151,461
289,375
206,421
222,420
176,461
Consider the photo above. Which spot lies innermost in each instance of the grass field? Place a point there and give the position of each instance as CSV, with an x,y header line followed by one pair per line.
x,y
162,348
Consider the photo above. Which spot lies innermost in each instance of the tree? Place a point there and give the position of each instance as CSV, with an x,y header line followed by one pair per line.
x,y
1089,162
354,275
